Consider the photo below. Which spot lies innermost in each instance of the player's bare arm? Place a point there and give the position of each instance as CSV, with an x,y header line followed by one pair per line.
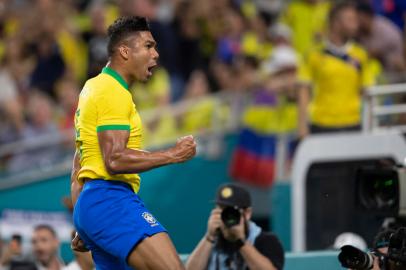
x,y
75,187
77,243
119,159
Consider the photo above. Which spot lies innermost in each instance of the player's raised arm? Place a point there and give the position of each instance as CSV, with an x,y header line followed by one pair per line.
x,y
119,159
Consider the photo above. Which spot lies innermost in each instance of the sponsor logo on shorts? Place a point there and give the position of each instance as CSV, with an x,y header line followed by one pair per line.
x,y
150,219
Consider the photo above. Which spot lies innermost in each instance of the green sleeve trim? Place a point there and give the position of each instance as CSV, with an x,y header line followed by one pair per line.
x,y
113,127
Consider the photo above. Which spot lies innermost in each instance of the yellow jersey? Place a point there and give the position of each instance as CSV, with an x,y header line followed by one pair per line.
x,y
105,103
337,81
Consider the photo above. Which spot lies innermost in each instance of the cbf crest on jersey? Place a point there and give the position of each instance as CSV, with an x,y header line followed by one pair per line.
x,y
149,218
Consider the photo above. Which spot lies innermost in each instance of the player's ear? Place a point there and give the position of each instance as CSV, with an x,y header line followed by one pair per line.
x,y
124,51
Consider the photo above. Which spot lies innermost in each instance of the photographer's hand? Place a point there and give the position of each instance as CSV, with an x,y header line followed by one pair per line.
x,y
235,232
199,258
213,224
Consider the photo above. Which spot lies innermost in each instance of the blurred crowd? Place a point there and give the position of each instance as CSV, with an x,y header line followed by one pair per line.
x,y
43,253
48,48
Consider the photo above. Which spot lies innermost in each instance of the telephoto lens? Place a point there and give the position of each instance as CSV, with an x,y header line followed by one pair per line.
x,y
230,216
352,257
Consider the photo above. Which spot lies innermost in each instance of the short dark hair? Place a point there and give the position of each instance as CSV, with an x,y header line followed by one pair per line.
x,y
337,8
46,227
122,28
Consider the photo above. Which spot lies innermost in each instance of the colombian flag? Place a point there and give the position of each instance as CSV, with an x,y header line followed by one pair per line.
x,y
253,160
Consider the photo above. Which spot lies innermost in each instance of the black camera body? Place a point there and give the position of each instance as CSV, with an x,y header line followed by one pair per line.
x,y
397,247
231,216
352,257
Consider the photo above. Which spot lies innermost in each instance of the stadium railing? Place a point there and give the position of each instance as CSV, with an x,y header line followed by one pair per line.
x,y
385,108
220,114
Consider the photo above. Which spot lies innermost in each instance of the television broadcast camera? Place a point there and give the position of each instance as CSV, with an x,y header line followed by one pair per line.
x,y
382,191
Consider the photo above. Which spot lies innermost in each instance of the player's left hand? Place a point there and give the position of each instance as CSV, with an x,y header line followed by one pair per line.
x,y
77,244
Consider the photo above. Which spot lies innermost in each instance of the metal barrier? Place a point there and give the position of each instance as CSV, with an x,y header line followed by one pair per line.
x,y
221,112
224,111
375,108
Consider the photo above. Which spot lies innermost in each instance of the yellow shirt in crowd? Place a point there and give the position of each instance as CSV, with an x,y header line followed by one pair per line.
x,y
336,82
105,103
308,23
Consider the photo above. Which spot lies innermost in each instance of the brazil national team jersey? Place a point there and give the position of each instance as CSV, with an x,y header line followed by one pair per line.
x,y
105,104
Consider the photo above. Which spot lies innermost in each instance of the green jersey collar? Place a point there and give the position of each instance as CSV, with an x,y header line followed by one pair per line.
x,y
115,75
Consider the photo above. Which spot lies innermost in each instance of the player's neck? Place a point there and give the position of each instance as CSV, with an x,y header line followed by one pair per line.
x,y
121,71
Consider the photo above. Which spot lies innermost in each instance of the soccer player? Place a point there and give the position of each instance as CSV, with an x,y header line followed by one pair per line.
x,y
110,218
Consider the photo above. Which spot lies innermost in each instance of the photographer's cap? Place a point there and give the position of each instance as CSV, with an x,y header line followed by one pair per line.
x,y
233,195
383,237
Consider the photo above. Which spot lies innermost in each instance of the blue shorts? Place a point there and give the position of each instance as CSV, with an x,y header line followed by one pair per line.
x,y
111,219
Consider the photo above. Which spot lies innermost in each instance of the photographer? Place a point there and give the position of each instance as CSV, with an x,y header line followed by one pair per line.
x,y
388,253
14,257
232,240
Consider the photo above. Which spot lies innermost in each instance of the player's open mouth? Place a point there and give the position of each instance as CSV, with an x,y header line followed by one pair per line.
x,y
150,68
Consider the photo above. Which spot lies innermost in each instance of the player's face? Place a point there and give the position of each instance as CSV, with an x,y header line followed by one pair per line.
x,y
44,245
143,55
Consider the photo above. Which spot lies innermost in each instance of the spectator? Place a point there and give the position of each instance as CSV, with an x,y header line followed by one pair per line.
x,y
14,258
13,72
308,20
50,66
96,38
241,246
41,124
199,116
229,45
337,72
394,10
380,245
188,34
161,129
45,246
67,93
273,111
381,38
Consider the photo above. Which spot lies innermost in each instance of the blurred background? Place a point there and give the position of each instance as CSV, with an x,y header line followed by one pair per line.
x,y
230,74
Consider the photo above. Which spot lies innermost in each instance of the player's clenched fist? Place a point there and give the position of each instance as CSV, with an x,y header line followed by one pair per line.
x,y
184,149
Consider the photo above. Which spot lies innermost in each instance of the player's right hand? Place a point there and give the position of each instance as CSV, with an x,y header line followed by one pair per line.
x,y
184,149
214,223
77,244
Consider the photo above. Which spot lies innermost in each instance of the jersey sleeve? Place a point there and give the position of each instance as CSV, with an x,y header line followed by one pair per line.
x,y
113,113
269,246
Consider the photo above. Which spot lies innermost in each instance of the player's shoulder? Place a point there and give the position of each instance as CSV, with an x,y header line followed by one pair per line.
x,y
100,86
98,83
